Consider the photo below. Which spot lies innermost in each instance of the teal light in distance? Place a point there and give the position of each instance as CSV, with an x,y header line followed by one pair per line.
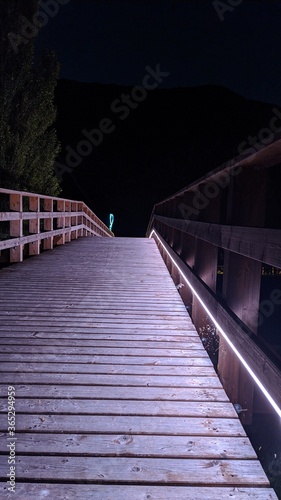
x,y
111,220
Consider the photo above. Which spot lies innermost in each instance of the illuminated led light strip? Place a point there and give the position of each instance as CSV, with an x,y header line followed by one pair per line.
x,y
240,357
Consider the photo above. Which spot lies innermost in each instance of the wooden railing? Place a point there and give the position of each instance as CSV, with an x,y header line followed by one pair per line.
x,y
223,220
34,222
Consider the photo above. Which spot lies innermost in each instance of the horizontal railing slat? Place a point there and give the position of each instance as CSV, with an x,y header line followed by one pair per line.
x,y
14,242
260,244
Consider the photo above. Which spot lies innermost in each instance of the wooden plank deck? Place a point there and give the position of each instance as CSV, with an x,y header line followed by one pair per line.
x,y
116,398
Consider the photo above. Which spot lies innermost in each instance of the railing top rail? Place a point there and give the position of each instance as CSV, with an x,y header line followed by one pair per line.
x,y
265,157
43,196
261,244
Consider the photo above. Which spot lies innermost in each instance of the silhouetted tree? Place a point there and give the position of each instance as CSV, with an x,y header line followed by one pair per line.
x,y
28,141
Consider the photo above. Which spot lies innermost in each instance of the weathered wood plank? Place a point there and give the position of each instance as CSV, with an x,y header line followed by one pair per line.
x,y
122,283
79,276
78,298
126,380
127,445
107,317
128,306
189,344
57,322
109,328
122,407
120,291
41,491
184,426
72,368
112,311
98,336
119,351
104,359
107,392
137,470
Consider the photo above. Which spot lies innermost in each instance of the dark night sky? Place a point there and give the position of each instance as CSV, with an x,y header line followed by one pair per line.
x,y
113,41
110,41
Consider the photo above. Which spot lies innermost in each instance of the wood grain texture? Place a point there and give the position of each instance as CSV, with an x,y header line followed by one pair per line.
x,y
127,445
26,358
119,351
131,407
116,397
111,369
41,491
118,380
184,426
142,470
108,392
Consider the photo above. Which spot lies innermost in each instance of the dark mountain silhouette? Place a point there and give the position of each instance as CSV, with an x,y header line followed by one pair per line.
x,y
173,137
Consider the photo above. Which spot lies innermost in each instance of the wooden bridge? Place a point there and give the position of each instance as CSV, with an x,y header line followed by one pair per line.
x,y
115,395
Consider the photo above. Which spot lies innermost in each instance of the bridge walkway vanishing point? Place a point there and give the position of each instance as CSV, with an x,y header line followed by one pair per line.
x,y
116,398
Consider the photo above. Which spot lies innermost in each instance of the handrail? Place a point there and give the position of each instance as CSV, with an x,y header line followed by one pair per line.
x,y
221,220
52,221
261,244
240,339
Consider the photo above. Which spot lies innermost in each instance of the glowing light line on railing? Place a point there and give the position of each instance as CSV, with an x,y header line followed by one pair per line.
x,y
223,333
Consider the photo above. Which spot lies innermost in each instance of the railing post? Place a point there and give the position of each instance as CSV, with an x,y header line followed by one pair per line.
x,y
68,222
80,219
60,240
86,221
74,220
206,254
241,282
34,225
98,230
90,224
187,211
48,223
16,227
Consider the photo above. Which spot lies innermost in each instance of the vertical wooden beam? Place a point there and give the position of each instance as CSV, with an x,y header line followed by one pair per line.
x,y
80,219
48,223
85,221
74,220
16,227
88,223
68,222
187,253
241,282
34,225
172,209
60,240
186,210
206,255
205,266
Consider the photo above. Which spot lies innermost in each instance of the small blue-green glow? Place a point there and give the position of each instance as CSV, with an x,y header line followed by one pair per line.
x,y
111,220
